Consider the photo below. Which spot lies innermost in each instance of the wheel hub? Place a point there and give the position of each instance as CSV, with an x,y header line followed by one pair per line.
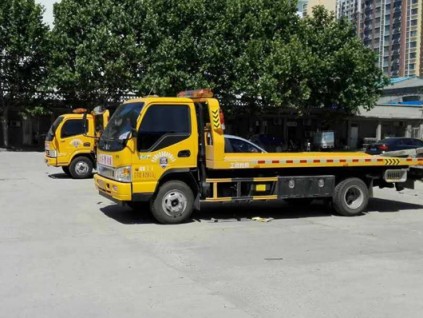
x,y
354,197
81,168
174,203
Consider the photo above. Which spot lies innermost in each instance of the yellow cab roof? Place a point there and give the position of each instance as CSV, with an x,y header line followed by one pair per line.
x,y
73,116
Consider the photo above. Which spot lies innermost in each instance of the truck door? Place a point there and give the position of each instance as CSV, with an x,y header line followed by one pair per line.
x,y
167,140
72,139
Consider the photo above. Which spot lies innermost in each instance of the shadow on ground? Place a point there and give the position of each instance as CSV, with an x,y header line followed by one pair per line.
x,y
58,176
383,205
227,212
126,215
237,212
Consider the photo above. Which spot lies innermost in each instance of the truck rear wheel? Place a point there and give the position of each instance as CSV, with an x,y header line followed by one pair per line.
x,y
350,197
173,203
81,168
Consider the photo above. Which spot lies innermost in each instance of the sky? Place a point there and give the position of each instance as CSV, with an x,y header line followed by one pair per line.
x,y
48,14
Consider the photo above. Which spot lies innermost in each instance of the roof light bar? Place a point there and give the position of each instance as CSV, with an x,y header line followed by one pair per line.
x,y
79,110
197,93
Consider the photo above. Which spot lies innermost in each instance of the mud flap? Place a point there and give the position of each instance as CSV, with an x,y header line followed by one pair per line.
x,y
415,173
408,184
197,202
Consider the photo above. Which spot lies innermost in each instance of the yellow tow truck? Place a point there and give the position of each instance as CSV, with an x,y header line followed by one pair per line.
x,y
170,152
72,140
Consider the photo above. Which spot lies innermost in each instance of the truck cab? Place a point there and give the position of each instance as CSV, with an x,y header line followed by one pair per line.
x,y
72,139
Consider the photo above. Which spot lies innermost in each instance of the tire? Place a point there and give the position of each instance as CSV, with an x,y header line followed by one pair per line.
x,y
66,170
350,197
81,168
173,203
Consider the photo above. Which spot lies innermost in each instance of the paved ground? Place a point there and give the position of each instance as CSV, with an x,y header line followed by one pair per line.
x,y
67,252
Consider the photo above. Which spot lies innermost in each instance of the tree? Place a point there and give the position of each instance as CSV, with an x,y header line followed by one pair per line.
x,y
23,55
250,52
104,49
220,44
96,57
324,66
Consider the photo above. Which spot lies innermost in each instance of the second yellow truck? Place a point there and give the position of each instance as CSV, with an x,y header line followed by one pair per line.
x,y
170,152
72,139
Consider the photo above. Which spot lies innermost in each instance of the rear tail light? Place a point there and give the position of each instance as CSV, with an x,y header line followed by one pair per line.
x,y
383,147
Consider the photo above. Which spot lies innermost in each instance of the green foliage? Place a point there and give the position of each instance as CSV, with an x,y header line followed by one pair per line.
x,y
34,111
23,56
324,66
23,50
106,48
218,44
256,51
96,55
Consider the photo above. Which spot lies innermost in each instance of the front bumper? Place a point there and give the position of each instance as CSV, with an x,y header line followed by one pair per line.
x,y
113,190
50,161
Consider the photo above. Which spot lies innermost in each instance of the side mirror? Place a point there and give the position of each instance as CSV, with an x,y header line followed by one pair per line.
x,y
127,135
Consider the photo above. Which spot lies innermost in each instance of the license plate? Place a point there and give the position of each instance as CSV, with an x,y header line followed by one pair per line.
x,y
106,160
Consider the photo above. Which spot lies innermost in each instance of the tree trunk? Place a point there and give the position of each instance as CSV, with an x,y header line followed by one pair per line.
x,y
4,119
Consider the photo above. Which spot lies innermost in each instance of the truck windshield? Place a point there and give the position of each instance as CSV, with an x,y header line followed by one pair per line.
x,y
120,126
52,130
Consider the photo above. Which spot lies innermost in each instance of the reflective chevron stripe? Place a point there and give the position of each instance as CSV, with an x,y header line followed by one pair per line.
x,y
216,118
387,161
392,162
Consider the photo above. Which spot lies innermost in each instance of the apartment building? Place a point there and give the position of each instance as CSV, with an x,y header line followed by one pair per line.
x,y
392,28
328,4
350,9
302,8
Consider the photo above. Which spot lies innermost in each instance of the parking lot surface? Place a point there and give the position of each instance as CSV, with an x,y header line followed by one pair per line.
x,y
68,252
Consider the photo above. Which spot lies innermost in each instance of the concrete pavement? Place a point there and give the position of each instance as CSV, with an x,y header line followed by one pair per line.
x,y
68,252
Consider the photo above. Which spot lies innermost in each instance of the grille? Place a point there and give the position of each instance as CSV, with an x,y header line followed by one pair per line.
x,y
395,175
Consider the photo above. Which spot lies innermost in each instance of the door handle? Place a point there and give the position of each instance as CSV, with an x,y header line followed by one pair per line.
x,y
184,153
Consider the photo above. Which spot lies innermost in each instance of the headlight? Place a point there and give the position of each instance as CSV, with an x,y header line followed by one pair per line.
x,y
123,174
52,153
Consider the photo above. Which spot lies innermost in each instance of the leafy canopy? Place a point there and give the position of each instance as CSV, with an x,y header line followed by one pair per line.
x,y
23,56
23,51
254,51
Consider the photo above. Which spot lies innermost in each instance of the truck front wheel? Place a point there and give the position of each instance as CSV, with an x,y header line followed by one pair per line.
x,y
81,168
350,197
173,203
